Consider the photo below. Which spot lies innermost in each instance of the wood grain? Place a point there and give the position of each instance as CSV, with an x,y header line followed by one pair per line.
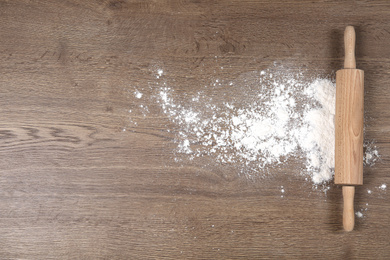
x,y
74,185
349,127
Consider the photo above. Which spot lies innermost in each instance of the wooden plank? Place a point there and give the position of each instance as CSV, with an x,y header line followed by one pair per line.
x,y
74,185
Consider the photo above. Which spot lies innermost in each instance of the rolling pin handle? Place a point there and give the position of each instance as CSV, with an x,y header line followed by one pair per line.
x,y
348,212
349,46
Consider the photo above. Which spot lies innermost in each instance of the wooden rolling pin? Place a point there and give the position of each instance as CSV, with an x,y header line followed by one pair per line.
x,y
349,128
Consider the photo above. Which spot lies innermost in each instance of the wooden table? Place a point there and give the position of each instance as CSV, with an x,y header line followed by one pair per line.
x,y
75,185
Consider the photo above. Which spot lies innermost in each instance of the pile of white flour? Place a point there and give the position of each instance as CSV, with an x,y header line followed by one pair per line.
x,y
286,116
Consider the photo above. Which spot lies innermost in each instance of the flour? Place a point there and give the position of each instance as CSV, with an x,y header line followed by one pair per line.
x,y
282,191
264,132
371,154
359,214
138,94
380,188
287,117
159,73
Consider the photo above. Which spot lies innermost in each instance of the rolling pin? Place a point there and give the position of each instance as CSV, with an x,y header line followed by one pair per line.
x,y
349,128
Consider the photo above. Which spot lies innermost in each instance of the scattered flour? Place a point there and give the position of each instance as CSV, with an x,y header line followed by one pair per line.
x,y
359,214
371,155
184,147
264,132
383,186
287,117
138,94
159,73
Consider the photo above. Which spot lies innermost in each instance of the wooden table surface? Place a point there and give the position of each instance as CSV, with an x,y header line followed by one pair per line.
x,y
75,185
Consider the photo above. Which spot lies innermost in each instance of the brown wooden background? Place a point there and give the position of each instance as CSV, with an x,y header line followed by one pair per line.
x,y
73,185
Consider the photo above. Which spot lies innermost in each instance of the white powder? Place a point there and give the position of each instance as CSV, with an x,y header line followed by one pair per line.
x,y
159,73
138,94
371,155
359,214
277,116
383,186
184,147
263,132
316,136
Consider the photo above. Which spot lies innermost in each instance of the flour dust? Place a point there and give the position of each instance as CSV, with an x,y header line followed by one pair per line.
x,y
270,118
